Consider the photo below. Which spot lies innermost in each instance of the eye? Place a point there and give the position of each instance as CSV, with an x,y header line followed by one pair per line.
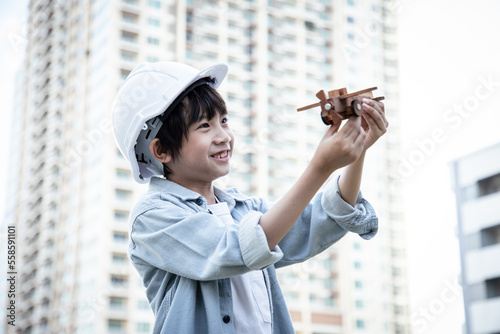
x,y
204,125
224,120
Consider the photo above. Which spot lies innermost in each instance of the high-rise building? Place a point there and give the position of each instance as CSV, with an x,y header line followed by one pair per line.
x,y
476,181
74,190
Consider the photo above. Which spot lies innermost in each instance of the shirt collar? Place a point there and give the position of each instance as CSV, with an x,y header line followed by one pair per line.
x,y
165,186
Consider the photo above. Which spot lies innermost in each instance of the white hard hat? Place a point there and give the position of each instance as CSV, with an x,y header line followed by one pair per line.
x,y
148,91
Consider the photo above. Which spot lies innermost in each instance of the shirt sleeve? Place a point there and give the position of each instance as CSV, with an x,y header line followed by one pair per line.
x,y
326,220
360,219
199,245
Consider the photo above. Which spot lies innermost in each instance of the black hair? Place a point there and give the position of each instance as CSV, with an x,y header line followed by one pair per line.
x,y
201,102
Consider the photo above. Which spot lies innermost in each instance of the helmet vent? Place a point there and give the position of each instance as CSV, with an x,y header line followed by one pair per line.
x,y
142,159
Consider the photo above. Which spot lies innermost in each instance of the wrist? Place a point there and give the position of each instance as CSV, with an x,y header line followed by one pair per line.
x,y
320,171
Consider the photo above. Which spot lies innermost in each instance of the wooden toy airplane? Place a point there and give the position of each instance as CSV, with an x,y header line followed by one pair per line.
x,y
340,105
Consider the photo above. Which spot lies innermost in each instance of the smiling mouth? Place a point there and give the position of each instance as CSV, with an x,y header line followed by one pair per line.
x,y
221,155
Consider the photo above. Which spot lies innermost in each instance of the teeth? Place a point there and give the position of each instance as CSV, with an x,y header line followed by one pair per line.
x,y
222,155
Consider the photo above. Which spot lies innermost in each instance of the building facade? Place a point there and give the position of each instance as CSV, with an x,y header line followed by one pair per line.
x,y
74,190
476,180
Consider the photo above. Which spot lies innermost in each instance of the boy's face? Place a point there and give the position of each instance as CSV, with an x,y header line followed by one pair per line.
x,y
205,154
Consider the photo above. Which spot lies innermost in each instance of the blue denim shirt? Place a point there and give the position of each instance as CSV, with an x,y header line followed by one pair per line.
x,y
185,255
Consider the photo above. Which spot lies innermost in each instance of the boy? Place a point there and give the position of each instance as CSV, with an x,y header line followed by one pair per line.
x,y
207,257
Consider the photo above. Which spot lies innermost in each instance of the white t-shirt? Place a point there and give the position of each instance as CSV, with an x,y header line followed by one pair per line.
x,y
251,308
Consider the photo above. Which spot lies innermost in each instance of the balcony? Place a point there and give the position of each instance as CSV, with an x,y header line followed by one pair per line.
x,y
480,213
483,319
483,264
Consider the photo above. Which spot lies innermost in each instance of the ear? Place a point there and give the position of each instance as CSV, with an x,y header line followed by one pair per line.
x,y
157,151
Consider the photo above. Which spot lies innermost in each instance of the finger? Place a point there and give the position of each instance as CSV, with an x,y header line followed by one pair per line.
x,y
357,134
379,106
352,128
375,117
360,138
374,124
332,129
364,123
335,127
382,113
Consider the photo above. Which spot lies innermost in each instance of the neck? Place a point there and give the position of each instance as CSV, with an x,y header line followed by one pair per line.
x,y
205,189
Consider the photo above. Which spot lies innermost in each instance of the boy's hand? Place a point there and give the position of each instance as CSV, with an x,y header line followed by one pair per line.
x,y
376,123
339,148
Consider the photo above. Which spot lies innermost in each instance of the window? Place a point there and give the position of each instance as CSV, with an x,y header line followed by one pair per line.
x,y
328,283
123,194
122,173
143,305
120,237
153,22
129,37
359,303
129,56
129,18
153,41
119,259
493,288
389,46
124,74
490,236
117,303
116,326
309,25
360,324
211,39
320,301
358,284
489,185
143,327
121,216
118,281
154,3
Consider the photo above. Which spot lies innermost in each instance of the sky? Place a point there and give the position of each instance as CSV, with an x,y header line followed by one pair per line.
x,y
450,93
450,96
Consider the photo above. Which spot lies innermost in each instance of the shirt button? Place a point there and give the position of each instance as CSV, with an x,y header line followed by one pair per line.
x,y
199,201
226,319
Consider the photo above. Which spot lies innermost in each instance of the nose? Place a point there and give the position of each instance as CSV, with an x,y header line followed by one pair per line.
x,y
224,135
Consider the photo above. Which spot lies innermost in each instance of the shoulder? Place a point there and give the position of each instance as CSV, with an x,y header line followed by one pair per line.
x,y
158,209
163,206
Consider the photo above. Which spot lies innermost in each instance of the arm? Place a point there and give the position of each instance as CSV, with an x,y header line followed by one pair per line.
x,y
336,149
197,245
326,219
350,180
376,126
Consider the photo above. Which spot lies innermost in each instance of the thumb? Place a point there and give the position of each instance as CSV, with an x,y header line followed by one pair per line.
x,y
334,128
